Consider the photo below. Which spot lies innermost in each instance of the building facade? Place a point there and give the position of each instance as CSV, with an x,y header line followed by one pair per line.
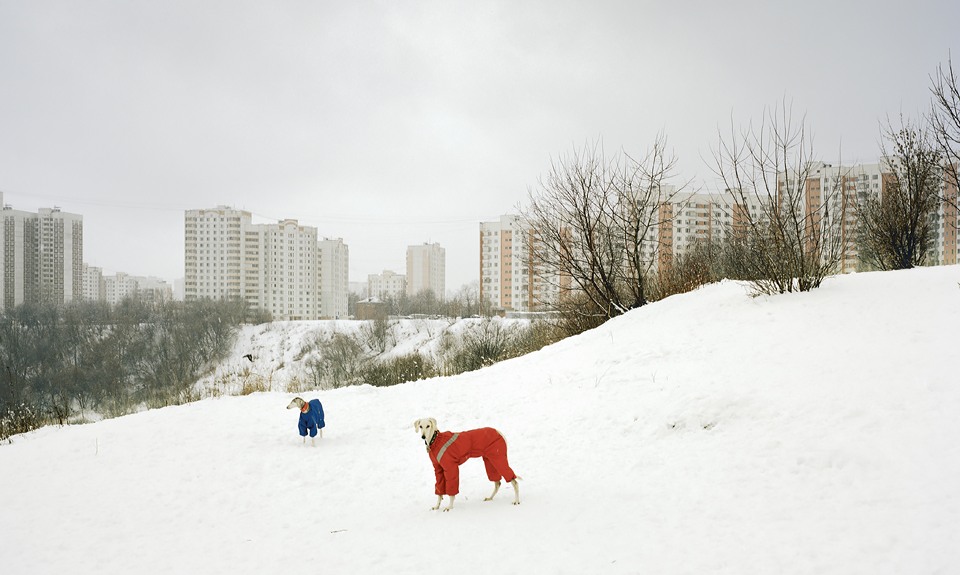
x,y
334,278
42,257
847,186
426,269
94,288
507,281
280,269
273,267
387,284
689,218
120,286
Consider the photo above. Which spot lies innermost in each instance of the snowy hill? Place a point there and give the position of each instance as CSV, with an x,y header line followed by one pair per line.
x,y
279,351
709,432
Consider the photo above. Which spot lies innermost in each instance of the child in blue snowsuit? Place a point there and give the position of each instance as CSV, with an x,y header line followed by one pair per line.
x,y
311,418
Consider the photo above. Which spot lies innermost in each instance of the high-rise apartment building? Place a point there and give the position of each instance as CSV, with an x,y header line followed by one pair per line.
x,y
93,284
511,281
426,269
827,192
691,217
334,278
387,284
212,248
849,185
42,257
507,280
280,269
273,267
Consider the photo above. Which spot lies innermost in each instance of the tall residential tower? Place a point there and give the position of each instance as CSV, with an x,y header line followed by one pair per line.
x,y
273,267
426,269
42,257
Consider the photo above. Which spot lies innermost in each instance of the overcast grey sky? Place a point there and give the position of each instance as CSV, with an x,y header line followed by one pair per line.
x,y
397,123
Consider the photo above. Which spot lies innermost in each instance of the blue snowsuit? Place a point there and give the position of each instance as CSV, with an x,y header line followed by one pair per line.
x,y
312,420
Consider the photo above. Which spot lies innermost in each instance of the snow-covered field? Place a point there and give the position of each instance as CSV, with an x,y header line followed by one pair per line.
x,y
710,432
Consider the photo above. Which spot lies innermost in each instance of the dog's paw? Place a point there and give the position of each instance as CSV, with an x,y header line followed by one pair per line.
x,y
445,509
516,503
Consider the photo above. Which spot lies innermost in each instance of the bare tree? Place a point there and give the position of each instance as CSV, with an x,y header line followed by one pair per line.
x,y
378,333
466,301
338,363
594,225
896,228
786,218
945,128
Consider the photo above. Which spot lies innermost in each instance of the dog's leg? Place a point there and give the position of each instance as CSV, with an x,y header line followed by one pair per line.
x,y
516,491
304,440
313,441
496,487
450,506
439,501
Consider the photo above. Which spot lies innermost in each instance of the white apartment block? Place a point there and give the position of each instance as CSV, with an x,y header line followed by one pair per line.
x,y
43,257
426,269
832,192
334,278
387,284
274,267
120,286
848,185
280,269
506,279
509,283
826,191
691,217
93,285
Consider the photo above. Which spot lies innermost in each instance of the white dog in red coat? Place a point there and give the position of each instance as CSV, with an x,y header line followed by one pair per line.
x,y
448,450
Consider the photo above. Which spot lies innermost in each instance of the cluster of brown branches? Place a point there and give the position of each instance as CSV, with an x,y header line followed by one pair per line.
x,y
595,227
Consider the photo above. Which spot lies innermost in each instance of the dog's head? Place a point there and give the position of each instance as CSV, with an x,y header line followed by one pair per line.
x,y
426,427
297,402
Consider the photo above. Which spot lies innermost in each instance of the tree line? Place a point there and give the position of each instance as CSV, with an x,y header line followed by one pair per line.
x,y
86,360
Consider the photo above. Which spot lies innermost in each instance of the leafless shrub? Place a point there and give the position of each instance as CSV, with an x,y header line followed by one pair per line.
x,y
687,271
795,242
945,128
399,369
338,362
896,228
254,383
594,223
378,334
297,384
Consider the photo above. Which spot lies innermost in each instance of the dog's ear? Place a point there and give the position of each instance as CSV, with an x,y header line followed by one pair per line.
x,y
433,422
416,425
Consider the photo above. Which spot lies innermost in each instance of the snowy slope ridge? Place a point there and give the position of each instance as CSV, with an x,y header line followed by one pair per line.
x,y
803,433
279,351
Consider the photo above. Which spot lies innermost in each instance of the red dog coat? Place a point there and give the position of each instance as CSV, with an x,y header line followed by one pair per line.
x,y
449,450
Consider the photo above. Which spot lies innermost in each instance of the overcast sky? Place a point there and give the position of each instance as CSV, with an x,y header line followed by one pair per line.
x,y
396,123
